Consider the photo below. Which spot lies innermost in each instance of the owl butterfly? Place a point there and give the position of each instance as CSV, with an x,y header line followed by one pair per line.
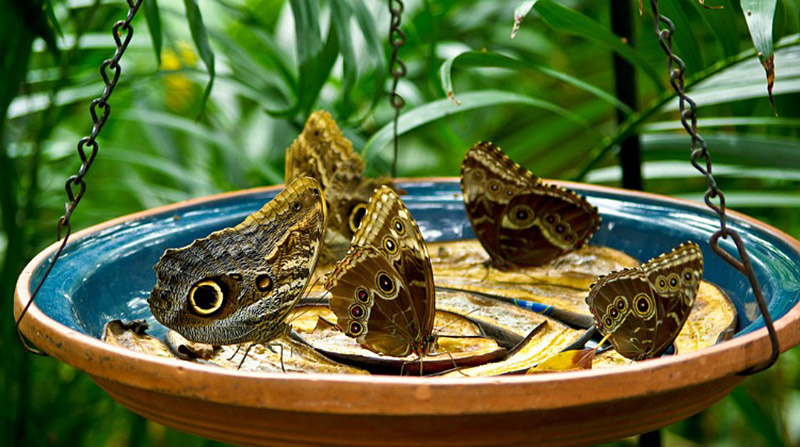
x,y
644,308
382,291
238,284
520,220
322,152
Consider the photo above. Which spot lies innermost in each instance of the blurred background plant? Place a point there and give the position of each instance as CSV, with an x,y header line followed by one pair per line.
x,y
212,94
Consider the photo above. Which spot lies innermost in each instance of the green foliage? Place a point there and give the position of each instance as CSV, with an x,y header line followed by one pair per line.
x,y
760,15
545,96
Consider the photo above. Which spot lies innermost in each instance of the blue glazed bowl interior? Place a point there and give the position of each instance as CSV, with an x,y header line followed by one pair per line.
x,y
109,274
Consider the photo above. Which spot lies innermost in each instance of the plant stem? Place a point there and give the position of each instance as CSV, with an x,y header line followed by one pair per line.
x,y
625,88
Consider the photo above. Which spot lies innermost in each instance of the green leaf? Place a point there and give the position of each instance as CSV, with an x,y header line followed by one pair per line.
x,y
522,10
743,81
759,15
154,26
255,79
341,13
35,15
495,60
36,102
375,45
308,35
683,170
739,148
51,15
315,62
433,111
719,83
200,38
761,421
725,122
723,22
568,20
753,199
684,37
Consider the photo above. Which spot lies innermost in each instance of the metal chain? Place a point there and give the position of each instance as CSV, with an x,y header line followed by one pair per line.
x,y
701,160
75,185
396,38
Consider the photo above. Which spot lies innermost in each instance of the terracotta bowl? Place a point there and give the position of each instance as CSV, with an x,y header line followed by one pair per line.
x,y
106,273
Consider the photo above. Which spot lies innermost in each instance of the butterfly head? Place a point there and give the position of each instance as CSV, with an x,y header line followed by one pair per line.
x,y
223,288
424,345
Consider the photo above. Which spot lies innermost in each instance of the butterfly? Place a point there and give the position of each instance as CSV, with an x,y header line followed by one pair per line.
x,y
238,284
322,152
382,291
520,220
644,308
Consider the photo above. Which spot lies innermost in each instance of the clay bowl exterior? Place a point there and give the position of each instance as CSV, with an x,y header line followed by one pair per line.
x,y
107,273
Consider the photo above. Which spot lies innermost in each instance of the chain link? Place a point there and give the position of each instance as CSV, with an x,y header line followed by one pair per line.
x,y
396,38
701,160
75,185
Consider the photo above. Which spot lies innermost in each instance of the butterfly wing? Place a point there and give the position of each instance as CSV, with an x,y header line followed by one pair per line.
x,y
544,224
623,306
387,250
518,219
373,304
238,284
675,278
489,179
322,152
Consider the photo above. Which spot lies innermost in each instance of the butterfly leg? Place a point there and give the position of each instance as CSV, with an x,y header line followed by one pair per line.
x,y
455,366
238,347
280,348
247,351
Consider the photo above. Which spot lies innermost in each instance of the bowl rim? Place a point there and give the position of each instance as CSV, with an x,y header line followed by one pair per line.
x,y
353,394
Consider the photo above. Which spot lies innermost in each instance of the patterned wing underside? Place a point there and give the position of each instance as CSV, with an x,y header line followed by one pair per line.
x,y
489,179
633,328
658,297
385,323
518,219
278,242
321,151
389,241
675,278
411,259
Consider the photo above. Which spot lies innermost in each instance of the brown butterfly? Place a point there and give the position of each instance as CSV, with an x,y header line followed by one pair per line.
x,y
644,308
382,292
520,220
322,152
238,284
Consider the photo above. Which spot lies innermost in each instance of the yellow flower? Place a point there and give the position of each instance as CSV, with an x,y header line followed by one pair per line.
x,y
180,91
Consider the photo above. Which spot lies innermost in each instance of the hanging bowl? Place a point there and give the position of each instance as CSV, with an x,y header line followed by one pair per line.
x,y
106,273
